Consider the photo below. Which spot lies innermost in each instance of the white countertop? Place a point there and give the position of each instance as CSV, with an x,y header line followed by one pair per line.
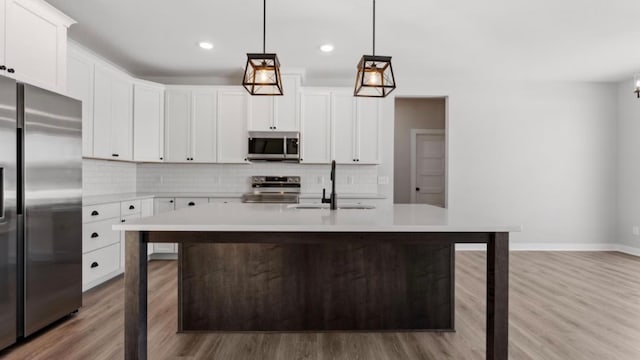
x,y
104,199
285,218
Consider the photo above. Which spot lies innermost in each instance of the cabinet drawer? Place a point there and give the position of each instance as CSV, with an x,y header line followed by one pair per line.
x,y
130,207
99,234
182,203
165,248
99,263
225,200
100,212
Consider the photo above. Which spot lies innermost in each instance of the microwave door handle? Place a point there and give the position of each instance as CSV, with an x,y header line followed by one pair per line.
x,y
284,145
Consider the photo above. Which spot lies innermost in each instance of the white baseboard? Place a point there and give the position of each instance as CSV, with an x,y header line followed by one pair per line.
x,y
556,247
628,249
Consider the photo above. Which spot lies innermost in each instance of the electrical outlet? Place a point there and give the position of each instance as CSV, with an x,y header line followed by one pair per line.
x,y
320,180
383,180
636,230
161,179
350,180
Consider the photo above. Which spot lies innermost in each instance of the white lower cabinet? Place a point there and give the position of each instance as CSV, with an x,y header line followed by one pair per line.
x,y
163,205
99,265
182,203
225,200
103,249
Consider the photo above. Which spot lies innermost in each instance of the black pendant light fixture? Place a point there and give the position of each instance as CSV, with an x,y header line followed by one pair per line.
x,y
375,73
262,74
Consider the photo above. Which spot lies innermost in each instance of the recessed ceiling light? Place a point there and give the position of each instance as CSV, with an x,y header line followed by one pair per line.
x,y
326,48
205,45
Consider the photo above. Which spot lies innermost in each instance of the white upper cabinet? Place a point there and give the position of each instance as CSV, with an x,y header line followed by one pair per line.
x,y
148,122
177,125
232,126
203,126
191,125
276,113
261,113
315,129
343,121
368,130
287,106
112,115
35,43
355,128
80,86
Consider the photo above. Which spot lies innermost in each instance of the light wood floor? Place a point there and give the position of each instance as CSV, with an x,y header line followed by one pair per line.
x,y
563,306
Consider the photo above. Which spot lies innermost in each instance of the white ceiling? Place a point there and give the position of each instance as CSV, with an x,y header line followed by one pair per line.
x,y
591,40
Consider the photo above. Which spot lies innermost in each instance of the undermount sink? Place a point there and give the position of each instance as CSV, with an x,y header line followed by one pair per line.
x,y
326,206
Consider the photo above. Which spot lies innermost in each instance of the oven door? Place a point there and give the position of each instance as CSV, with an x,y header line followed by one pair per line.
x,y
261,148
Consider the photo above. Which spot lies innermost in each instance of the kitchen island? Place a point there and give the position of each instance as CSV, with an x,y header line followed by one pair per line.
x,y
264,267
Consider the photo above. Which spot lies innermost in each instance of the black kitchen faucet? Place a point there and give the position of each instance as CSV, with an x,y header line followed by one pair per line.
x,y
333,198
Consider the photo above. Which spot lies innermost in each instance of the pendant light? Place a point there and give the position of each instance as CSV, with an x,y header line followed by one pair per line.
x,y
375,73
636,83
262,74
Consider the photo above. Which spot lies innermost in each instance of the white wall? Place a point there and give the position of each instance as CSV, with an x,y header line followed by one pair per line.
x,y
538,154
628,165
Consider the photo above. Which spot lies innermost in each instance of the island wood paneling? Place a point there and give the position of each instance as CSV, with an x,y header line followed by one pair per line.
x,y
314,286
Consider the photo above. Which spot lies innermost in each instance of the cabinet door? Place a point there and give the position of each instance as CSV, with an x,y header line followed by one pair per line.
x,y
80,86
122,117
125,219
148,123
287,110
35,45
261,113
368,134
163,205
102,146
177,125
232,126
146,207
203,127
182,203
344,128
315,127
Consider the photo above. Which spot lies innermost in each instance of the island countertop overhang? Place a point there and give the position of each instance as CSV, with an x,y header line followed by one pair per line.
x,y
285,218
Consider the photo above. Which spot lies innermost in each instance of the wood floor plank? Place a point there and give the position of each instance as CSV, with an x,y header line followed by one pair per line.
x,y
563,306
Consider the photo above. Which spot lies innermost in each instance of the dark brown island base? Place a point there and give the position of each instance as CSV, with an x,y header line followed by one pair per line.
x,y
336,276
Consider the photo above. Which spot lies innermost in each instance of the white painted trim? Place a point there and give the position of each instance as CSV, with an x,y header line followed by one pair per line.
x,y
414,134
627,249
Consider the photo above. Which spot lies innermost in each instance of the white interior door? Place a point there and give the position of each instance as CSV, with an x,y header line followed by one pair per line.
x,y
428,168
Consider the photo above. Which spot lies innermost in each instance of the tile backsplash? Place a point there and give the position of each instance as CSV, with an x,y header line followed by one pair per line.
x,y
236,178
101,177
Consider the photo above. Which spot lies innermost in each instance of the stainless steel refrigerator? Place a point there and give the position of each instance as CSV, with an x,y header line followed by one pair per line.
x,y
40,209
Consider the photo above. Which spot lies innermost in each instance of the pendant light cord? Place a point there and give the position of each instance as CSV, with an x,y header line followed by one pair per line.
x,y
374,27
264,26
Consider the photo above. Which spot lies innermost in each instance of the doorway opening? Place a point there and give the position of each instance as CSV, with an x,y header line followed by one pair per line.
x,y
420,151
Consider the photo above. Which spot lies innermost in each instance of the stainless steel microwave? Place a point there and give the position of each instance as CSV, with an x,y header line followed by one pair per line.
x,y
274,146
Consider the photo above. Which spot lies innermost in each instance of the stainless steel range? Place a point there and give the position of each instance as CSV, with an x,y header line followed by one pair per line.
x,y
273,189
